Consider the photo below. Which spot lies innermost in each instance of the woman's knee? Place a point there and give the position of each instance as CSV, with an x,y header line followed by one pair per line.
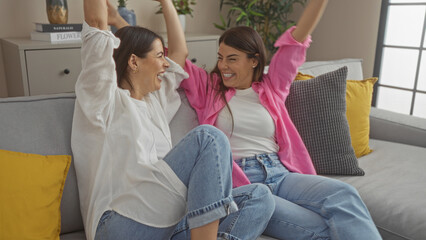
x,y
211,130
213,142
263,195
345,191
346,188
213,135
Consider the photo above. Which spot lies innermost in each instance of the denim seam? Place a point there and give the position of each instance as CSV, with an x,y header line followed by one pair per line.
x,y
324,213
314,235
235,219
215,214
210,207
213,138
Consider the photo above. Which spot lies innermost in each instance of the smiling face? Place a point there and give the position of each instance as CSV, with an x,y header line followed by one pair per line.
x,y
235,67
151,67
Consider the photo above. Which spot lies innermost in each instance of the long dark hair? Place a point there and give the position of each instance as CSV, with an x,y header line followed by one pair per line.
x,y
133,40
247,40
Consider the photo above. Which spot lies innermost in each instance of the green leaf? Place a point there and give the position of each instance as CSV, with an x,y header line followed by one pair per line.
x,y
221,27
269,17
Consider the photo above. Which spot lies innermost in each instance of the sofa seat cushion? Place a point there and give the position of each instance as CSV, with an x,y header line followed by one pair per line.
x,y
74,236
393,188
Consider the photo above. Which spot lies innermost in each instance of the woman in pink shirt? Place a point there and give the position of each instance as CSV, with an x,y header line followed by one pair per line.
x,y
248,106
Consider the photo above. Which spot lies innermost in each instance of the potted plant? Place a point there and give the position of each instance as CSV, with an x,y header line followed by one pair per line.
x,y
183,8
122,3
270,18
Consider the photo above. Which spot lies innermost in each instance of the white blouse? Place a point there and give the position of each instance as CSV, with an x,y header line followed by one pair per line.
x,y
118,142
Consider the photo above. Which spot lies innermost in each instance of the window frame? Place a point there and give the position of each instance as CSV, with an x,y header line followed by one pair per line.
x,y
379,53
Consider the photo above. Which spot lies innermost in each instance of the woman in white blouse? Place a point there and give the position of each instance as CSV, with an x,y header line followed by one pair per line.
x,y
132,184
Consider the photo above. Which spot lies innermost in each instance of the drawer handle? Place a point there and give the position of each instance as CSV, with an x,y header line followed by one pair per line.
x,y
67,71
194,60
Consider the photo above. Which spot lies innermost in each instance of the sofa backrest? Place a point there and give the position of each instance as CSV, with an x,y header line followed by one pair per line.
x,y
42,125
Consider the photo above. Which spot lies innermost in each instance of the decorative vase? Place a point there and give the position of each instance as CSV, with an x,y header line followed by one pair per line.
x,y
182,20
57,11
128,15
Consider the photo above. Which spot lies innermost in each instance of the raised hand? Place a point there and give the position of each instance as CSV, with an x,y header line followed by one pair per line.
x,y
309,19
114,17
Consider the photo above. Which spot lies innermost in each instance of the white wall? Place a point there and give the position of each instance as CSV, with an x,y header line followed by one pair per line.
x,y
347,30
17,17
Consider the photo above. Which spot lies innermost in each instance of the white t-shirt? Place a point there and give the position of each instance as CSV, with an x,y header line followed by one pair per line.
x,y
118,142
247,137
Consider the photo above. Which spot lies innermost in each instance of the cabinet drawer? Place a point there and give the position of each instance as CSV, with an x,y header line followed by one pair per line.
x,y
203,53
52,70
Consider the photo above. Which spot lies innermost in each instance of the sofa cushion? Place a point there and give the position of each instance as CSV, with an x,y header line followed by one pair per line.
x,y
317,108
393,188
74,236
359,95
42,125
317,68
397,127
31,187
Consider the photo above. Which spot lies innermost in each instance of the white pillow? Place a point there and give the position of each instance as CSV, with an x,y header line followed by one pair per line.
x,y
316,68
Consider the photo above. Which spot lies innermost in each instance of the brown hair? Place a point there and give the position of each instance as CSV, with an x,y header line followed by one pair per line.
x,y
133,40
247,40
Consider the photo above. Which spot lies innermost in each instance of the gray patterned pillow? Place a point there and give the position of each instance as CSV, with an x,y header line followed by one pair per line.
x,y
318,109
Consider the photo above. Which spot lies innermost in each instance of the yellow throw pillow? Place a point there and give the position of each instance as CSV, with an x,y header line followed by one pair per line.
x,y
359,95
358,105
31,187
302,76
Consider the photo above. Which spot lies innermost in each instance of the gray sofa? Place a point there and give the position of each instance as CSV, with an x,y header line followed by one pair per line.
x,y
393,188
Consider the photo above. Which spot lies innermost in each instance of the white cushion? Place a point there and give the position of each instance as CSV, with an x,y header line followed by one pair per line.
x,y
316,68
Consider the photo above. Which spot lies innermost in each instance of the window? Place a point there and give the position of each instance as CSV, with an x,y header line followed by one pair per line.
x,y
401,57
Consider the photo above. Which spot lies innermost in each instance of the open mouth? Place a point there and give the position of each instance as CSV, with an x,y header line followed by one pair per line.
x,y
161,74
228,75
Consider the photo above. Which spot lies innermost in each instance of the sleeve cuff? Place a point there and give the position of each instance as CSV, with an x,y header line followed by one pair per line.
x,y
89,31
176,68
287,39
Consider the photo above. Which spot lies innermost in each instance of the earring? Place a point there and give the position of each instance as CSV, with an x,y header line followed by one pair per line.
x,y
135,70
254,66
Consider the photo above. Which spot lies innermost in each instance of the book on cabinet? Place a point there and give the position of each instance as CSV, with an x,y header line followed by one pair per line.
x,y
47,27
56,37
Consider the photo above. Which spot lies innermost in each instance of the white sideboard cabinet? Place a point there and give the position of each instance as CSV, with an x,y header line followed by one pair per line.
x,y
37,67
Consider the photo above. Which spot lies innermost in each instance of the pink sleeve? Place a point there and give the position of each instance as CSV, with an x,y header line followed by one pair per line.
x,y
238,177
195,87
286,61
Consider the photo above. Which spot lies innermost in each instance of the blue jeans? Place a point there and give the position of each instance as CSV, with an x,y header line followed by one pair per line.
x,y
256,206
203,162
309,206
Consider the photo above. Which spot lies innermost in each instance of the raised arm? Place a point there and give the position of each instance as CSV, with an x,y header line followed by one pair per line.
x,y
309,19
96,14
177,49
114,17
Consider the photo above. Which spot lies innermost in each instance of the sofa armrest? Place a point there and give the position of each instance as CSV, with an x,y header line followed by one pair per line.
x,y
396,127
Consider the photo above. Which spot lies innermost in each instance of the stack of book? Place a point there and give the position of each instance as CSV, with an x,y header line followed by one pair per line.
x,y
57,33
